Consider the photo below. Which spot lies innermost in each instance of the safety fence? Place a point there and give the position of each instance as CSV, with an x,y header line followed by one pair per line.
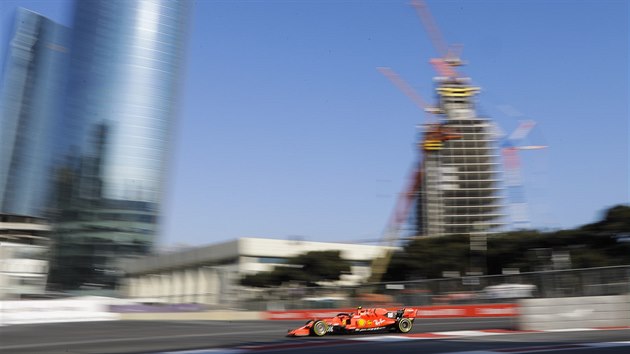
x,y
436,298
424,312
446,291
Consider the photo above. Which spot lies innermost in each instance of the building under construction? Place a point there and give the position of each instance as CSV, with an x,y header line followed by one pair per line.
x,y
455,188
459,191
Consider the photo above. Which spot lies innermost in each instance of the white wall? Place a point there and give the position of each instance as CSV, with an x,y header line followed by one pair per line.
x,y
574,312
19,273
47,311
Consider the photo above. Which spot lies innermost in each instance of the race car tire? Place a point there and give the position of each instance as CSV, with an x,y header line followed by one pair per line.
x,y
319,328
404,325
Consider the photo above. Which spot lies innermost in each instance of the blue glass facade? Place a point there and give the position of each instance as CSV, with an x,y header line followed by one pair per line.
x,y
30,103
125,65
126,59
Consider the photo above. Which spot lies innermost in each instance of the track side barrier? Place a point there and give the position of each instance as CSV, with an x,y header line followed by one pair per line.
x,y
575,312
444,311
82,309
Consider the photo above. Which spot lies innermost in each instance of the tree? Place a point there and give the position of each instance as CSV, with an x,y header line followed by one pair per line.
x,y
309,268
616,219
592,245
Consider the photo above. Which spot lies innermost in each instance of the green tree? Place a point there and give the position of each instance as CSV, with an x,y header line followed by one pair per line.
x,y
616,219
592,245
309,268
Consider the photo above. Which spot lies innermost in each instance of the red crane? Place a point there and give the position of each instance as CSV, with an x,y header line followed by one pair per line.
x,y
449,56
410,92
435,134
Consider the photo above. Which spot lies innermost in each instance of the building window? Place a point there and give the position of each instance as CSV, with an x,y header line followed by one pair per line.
x,y
360,263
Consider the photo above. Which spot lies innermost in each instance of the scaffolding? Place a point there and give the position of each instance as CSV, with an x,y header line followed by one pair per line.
x,y
461,193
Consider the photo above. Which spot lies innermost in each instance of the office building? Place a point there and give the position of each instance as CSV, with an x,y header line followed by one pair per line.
x,y
125,65
30,106
30,102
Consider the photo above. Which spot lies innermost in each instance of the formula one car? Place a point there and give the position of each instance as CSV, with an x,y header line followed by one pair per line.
x,y
363,320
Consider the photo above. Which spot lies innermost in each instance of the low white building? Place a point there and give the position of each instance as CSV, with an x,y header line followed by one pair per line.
x,y
24,251
211,274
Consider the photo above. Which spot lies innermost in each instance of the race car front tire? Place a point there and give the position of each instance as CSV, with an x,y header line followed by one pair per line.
x,y
319,328
404,325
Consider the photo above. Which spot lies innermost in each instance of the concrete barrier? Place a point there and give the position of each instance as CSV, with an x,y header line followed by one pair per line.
x,y
574,312
426,312
49,311
443,311
194,316
100,309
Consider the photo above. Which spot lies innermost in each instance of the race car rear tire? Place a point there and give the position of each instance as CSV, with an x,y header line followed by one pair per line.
x,y
319,328
404,325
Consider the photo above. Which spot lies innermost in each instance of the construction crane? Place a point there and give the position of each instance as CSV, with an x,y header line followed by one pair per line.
x,y
436,133
433,139
454,105
449,59
449,55
397,219
403,86
513,180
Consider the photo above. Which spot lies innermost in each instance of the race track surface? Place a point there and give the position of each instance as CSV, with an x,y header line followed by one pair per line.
x,y
470,336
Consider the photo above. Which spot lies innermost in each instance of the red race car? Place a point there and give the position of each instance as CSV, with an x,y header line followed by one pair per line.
x,y
363,320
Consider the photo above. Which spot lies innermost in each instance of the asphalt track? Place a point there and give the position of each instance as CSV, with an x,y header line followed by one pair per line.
x,y
116,337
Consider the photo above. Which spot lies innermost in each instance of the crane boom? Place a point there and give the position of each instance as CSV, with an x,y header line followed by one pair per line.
x,y
521,131
409,91
513,179
433,140
403,86
431,27
398,217
449,55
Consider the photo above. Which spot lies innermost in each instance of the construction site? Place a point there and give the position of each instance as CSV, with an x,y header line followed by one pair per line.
x,y
466,170
466,180
464,185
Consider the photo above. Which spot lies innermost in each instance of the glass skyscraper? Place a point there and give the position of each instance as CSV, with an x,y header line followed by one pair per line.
x,y
30,101
125,64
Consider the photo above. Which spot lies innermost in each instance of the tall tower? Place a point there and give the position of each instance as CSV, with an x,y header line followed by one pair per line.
x,y
460,193
126,60
30,100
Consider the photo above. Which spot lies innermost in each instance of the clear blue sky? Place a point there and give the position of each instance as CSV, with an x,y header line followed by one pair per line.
x,y
287,129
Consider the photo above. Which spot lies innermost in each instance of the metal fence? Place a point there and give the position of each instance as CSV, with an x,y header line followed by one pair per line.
x,y
456,290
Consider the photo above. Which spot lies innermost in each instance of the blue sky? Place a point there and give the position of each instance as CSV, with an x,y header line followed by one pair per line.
x,y
287,129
